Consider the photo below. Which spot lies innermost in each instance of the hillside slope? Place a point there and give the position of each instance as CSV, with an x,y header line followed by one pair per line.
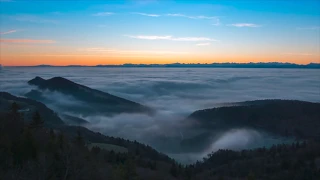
x,y
282,117
92,101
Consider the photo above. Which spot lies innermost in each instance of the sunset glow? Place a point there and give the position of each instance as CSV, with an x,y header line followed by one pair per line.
x,y
158,32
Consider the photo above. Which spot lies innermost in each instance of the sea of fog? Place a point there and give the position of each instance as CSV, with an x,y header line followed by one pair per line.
x,y
174,93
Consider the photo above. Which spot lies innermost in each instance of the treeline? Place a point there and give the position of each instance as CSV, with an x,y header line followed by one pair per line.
x,y
29,150
32,151
300,160
289,118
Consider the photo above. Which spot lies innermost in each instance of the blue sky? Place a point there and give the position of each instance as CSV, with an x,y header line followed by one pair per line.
x,y
151,31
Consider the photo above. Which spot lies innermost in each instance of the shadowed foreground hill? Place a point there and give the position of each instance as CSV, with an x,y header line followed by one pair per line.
x,y
30,150
282,117
28,107
294,161
33,147
94,101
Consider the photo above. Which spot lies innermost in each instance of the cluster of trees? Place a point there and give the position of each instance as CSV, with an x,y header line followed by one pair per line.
x,y
29,150
282,117
32,151
283,161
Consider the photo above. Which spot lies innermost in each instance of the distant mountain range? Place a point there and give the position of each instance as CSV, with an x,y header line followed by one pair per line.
x,y
212,65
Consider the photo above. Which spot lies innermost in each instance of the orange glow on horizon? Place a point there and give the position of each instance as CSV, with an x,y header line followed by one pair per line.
x,y
91,60
50,54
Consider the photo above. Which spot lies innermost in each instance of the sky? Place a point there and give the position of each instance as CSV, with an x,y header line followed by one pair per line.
x,y
87,32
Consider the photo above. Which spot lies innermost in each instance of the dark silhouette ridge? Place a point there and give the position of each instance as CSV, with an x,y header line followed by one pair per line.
x,y
279,120
36,81
71,152
28,107
98,101
283,117
52,120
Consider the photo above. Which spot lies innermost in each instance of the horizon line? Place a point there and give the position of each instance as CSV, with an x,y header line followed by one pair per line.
x,y
177,64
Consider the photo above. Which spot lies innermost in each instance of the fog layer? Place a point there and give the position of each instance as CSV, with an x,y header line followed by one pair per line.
x,y
174,93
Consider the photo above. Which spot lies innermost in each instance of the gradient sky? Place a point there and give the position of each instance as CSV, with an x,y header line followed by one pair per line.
x,y
150,31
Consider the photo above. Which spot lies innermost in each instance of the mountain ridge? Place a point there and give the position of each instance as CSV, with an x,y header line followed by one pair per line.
x,y
54,121
284,117
99,101
66,148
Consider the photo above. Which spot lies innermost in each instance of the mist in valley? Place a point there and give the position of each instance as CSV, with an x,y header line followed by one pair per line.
x,y
174,94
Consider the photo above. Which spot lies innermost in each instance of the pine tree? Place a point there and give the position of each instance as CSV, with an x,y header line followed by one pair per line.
x,y
130,168
37,121
251,176
79,141
14,108
14,111
51,145
119,172
61,141
174,170
52,135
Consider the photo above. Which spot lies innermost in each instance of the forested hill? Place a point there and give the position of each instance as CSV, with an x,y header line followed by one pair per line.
x,y
294,161
97,102
32,151
282,117
27,107
32,147
27,110
29,150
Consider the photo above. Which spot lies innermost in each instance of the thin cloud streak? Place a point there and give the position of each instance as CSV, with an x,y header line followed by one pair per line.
x,y
150,37
217,23
31,41
8,32
215,18
171,38
203,44
146,14
107,50
193,39
177,15
103,14
192,17
240,25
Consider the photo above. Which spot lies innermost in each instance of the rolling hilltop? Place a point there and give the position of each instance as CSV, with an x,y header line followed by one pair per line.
x,y
32,147
53,148
33,137
282,117
94,101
